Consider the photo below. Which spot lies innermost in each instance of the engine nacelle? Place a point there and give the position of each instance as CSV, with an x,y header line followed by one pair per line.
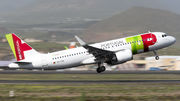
x,y
121,57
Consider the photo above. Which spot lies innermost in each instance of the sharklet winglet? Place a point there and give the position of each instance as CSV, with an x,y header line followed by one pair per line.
x,y
65,47
80,41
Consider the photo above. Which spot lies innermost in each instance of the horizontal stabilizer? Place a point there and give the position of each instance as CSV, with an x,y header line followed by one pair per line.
x,y
23,63
20,64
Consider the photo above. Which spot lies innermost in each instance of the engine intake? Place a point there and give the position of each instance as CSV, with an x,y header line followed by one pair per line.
x,y
121,57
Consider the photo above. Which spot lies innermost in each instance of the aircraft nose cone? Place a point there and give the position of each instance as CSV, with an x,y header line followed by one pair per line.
x,y
172,39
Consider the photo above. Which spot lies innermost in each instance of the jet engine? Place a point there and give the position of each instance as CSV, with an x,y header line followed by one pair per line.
x,y
121,57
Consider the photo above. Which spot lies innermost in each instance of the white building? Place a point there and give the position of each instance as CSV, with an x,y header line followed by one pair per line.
x,y
164,63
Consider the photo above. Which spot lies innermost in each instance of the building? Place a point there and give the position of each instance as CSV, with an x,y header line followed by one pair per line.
x,y
164,63
32,40
3,40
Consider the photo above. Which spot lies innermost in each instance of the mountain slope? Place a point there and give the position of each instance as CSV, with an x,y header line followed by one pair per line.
x,y
57,11
134,21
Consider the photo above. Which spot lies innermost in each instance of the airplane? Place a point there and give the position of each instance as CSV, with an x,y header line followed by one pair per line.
x,y
72,45
112,52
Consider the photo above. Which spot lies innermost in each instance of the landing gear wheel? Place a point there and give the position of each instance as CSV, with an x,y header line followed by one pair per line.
x,y
98,70
157,57
101,69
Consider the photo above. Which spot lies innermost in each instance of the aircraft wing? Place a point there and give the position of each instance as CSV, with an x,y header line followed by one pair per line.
x,y
97,53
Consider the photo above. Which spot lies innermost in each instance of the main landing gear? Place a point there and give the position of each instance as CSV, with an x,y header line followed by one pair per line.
x,y
156,56
101,68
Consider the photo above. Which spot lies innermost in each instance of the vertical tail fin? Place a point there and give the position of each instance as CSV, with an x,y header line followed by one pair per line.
x,y
20,49
72,45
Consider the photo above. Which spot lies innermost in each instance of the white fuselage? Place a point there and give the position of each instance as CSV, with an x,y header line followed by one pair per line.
x,y
74,57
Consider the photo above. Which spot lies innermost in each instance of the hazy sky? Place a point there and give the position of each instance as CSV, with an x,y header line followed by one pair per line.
x,y
10,5
172,4
13,4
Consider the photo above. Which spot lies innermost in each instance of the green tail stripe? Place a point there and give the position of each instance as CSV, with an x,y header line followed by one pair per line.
x,y
11,43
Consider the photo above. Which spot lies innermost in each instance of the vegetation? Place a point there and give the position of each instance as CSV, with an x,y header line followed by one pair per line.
x,y
39,46
87,77
90,92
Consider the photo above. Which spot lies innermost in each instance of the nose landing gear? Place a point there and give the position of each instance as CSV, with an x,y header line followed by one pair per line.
x,y
156,56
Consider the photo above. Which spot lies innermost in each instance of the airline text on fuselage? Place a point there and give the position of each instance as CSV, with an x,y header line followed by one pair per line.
x,y
109,44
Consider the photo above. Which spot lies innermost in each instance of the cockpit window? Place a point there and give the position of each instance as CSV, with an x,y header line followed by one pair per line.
x,y
164,35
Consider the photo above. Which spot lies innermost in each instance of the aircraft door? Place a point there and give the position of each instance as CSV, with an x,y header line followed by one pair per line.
x,y
44,61
153,38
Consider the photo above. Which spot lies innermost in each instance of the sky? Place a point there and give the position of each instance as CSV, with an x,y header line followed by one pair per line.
x,y
8,5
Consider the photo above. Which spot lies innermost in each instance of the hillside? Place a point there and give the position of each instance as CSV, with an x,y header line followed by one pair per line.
x,y
64,11
134,21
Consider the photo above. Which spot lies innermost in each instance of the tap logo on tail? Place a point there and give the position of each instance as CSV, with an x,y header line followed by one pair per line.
x,y
18,46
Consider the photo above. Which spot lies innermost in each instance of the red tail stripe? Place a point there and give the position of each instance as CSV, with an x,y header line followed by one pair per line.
x,y
20,47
